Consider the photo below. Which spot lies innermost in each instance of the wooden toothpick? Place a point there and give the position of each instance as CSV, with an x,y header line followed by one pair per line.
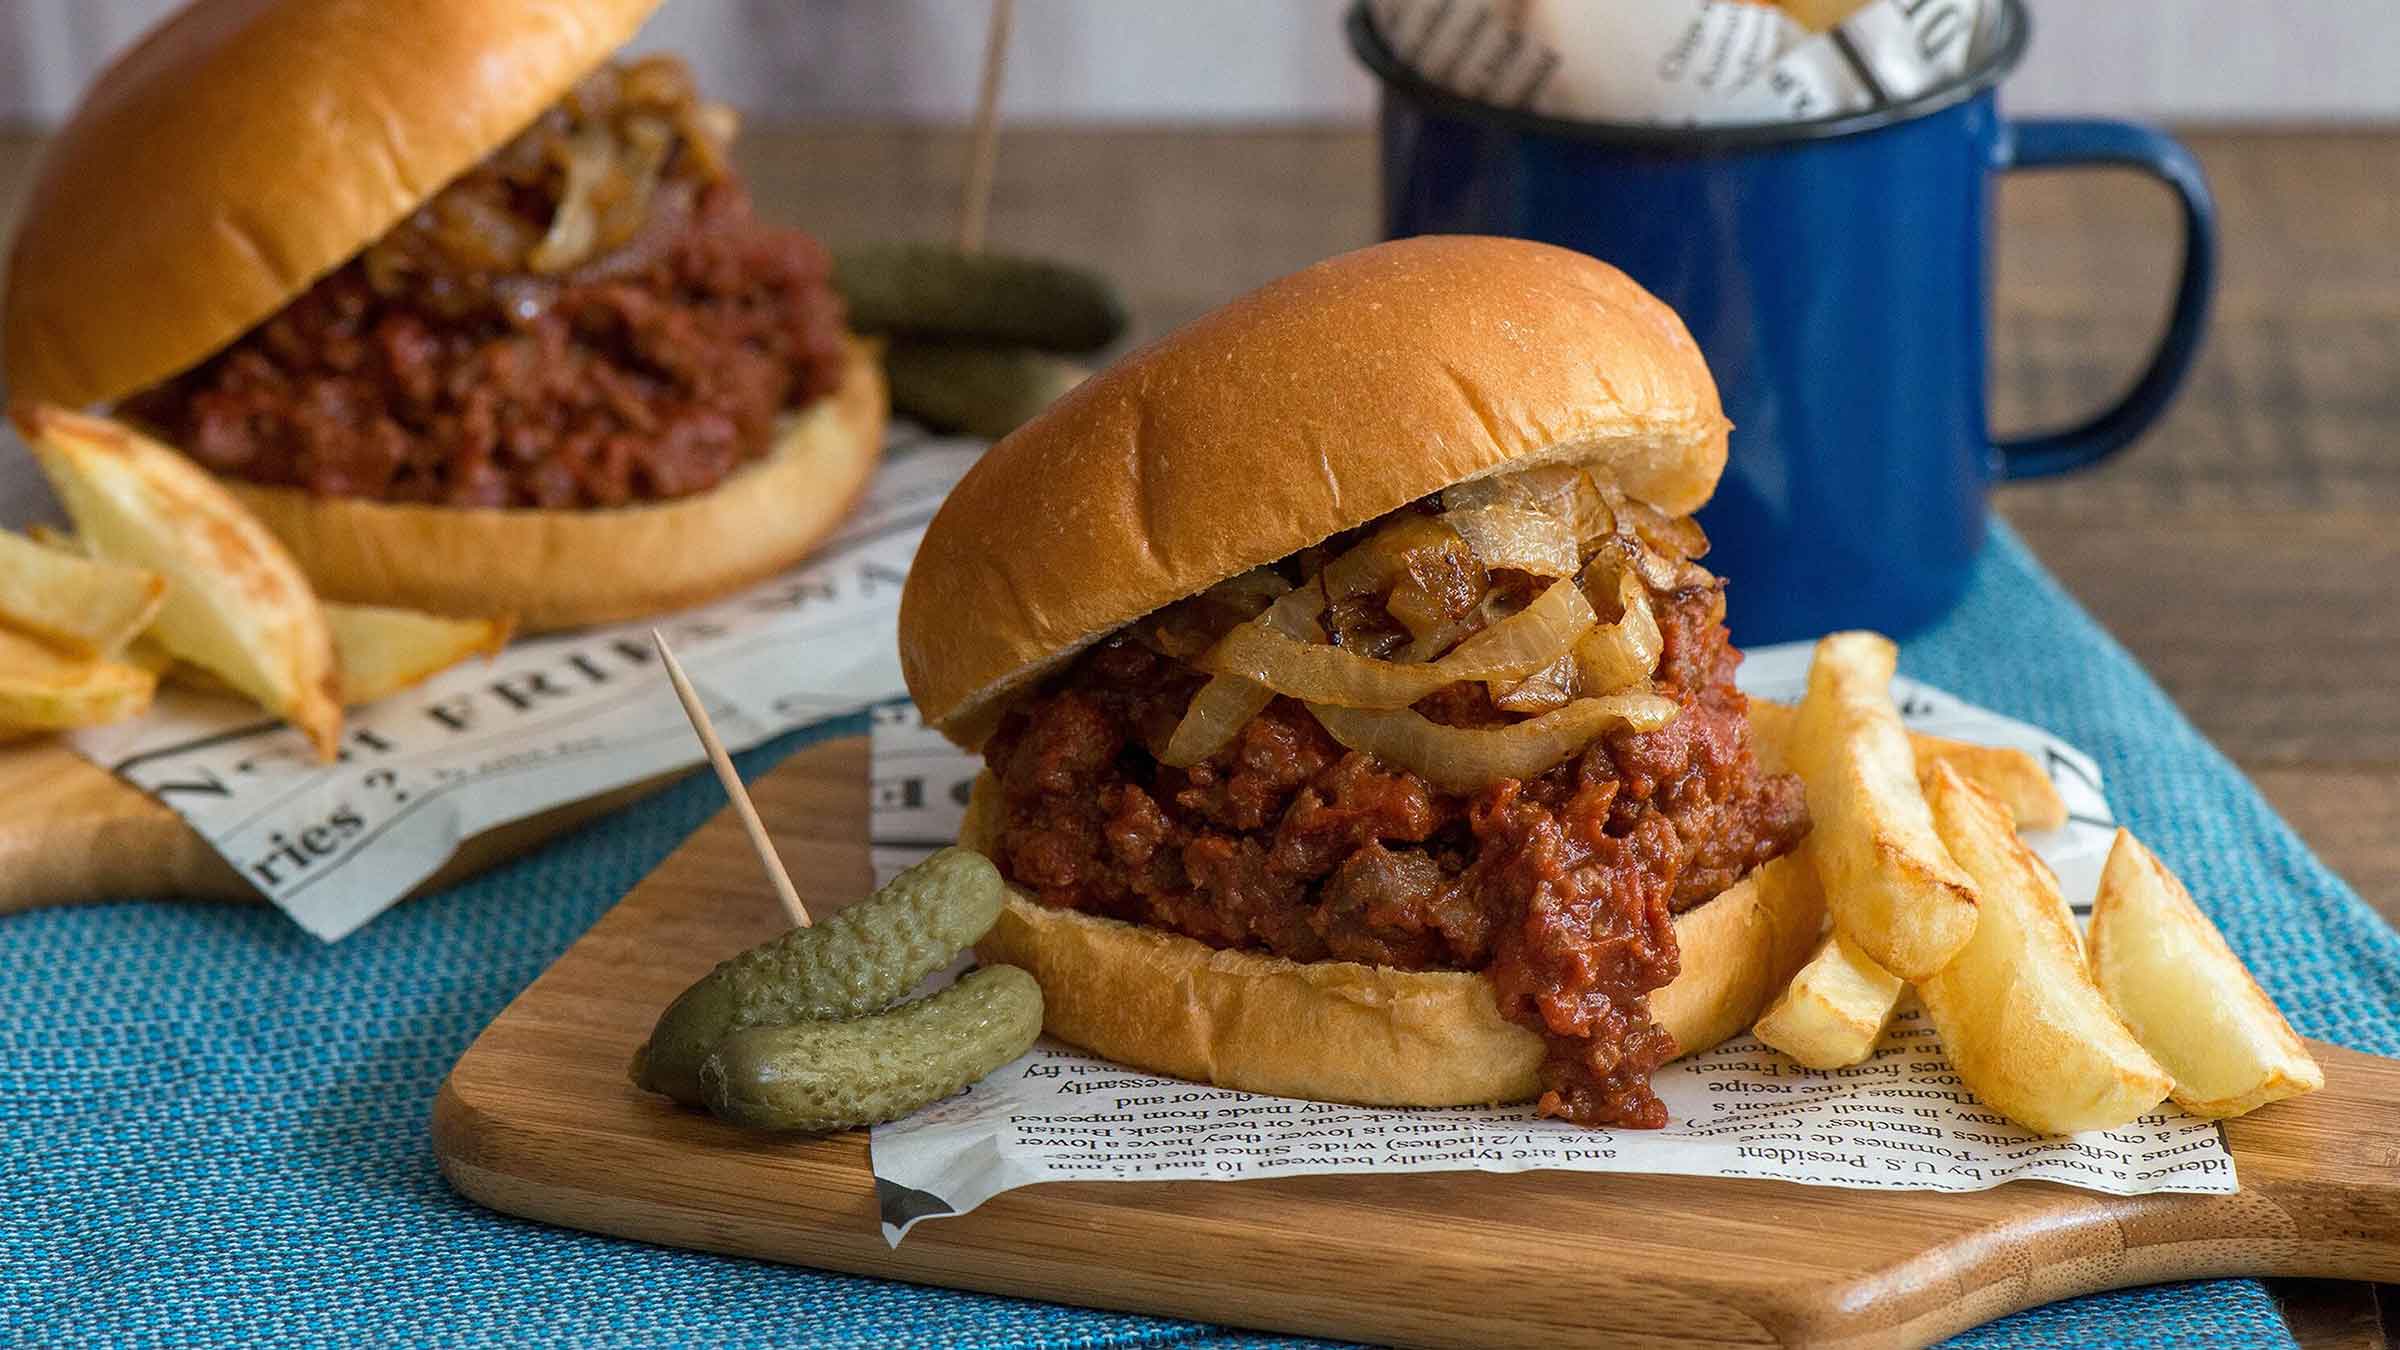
x,y
976,202
733,783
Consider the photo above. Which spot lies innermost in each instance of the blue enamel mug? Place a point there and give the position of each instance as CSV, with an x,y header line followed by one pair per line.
x,y
1837,275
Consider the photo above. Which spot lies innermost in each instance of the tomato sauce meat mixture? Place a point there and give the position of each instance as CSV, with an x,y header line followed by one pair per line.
x,y
589,318
1561,886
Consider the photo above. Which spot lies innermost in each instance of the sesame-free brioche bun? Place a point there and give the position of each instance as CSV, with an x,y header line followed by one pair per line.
x,y
245,148
565,569
1341,1031
1305,408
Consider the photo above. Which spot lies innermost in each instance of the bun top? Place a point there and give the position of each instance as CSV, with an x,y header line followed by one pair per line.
x,y
1310,406
244,148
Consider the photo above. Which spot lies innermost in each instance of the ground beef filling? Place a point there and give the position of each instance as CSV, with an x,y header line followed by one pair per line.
x,y
466,359
1561,889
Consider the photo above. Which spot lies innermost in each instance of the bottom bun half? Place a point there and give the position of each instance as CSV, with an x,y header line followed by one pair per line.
x,y
1371,1035
565,569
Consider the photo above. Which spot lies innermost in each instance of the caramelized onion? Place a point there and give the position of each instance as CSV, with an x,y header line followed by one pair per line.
x,y
1553,686
1216,715
1517,537
1516,646
1615,655
1464,759
586,159
1188,628
1425,575
1679,537
1226,703
648,141
1564,492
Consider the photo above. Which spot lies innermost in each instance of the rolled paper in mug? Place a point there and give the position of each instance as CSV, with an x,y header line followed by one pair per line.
x,y
1684,62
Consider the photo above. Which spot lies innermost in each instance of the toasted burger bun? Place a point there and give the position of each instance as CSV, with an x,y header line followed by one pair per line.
x,y
563,569
1313,405
244,149
1341,1031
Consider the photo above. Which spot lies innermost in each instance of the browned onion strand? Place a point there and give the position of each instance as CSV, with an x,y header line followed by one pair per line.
x,y
1517,537
1513,648
1227,703
1564,492
1217,714
1465,759
1554,660
1427,577
1615,655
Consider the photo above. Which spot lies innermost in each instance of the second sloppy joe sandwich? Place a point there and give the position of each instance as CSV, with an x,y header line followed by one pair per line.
x,y
473,316
1358,716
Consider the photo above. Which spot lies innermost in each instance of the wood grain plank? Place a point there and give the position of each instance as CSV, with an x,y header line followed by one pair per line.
x,y
538,1119
72,833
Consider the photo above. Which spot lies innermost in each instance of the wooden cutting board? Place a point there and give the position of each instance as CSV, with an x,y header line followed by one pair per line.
x,y
74,833
538,1120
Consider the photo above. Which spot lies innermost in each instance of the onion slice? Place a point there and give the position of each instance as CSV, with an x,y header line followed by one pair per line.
x,y
1226,704
1564,492
1517,537
1215,716
587,159
1465,759
1615,655
1511,649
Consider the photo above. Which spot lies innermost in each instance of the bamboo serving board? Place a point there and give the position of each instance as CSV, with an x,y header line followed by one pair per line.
x,y
538,1120
71,832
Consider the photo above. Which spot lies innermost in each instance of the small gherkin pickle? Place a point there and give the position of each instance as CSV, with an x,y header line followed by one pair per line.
x,y
934,291
819,1076
859,961
982,391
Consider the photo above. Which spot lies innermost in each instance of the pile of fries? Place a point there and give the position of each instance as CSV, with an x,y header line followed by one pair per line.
x,y
1928,886
167,577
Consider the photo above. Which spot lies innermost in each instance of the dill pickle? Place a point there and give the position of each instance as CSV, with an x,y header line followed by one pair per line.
x,y
933,291
819,1076
857,962
981,391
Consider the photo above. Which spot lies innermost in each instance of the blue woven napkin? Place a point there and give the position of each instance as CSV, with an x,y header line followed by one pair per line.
x,y
213,1127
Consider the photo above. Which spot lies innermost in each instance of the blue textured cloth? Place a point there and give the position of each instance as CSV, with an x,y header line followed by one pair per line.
x,y
213,1129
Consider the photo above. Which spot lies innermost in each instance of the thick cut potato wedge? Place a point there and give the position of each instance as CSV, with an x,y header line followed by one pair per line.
x,y
380,650
1891,887
2023,1023
2190,1001
236,604
1834,1011
84,607
45,690
2011,775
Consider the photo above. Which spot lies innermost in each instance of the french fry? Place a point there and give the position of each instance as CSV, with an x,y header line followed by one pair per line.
x,y
380,650
1834,1011
236,603
1891,887
2190,1001
2012,775
45,690
2023,1023
52,537
84,607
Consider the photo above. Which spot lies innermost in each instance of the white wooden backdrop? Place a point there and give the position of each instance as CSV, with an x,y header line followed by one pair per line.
x,y
2310,61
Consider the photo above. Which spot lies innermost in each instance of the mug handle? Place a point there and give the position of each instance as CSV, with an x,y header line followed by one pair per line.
x,y
2044,143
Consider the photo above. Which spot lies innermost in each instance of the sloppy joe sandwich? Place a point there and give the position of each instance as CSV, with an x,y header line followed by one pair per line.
x,y
473,316
1357,708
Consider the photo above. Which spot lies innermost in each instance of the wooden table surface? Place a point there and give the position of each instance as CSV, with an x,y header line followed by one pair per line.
x,y
2245,550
